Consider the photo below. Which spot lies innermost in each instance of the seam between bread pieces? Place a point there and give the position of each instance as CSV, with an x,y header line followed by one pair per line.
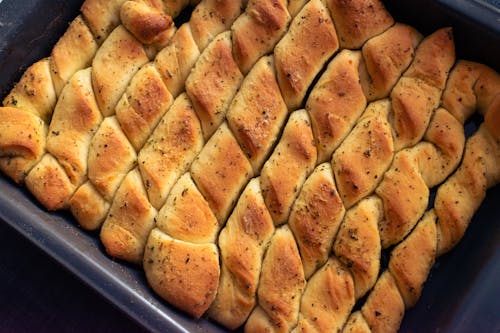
x,y
68,47
412,259
240,190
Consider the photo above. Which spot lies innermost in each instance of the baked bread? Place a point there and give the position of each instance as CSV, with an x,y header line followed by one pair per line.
x,y
168,174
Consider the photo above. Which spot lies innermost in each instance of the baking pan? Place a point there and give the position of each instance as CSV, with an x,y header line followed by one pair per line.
x,y
462,293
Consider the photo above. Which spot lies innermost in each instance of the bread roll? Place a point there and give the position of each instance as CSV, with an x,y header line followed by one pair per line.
x,y
242,244
114,65
142,105
89,207
130,220
186,215
357,21
256,115
75,119
327,300
285,171
50,184
184,274
412,259
357,244
302,52
174,62
211,17
386,57
384,308
213,83
148,24
102,16
257,30
363,157
34,93
27,143
111,157
315,218
73,52
336,102
280,288
170,150
220,171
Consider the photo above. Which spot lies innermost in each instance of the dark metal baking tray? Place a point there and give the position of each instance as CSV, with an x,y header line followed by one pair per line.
x,y
463,291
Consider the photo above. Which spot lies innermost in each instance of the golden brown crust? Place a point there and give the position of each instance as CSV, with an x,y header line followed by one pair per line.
x,y
460,196
102,16
177,59
336,102
302,52
111,156
412,259
386,57
242,243
327,300
413,102
434,58
74,51
356,324
221,170
213,83
281,285
148,24
186,215
75,119
315,218
22,134
286,170
363,157
442,149
384,308
34,92
357,244
130,220
359,20
48,182
114,65
257,114
470,87
142,105
405,196
88,207
170,150
257,30
184,274
211,17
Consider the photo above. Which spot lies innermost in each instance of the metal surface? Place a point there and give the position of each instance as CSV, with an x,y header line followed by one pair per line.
x,y
462,293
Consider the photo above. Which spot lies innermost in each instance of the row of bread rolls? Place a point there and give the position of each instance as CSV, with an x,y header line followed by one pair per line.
x,y
42,84
358,242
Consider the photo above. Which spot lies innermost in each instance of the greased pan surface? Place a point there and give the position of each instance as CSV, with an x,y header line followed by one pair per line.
x,y
462,293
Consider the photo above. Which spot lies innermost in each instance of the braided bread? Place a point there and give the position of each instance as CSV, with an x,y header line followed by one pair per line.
x,y
222,192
